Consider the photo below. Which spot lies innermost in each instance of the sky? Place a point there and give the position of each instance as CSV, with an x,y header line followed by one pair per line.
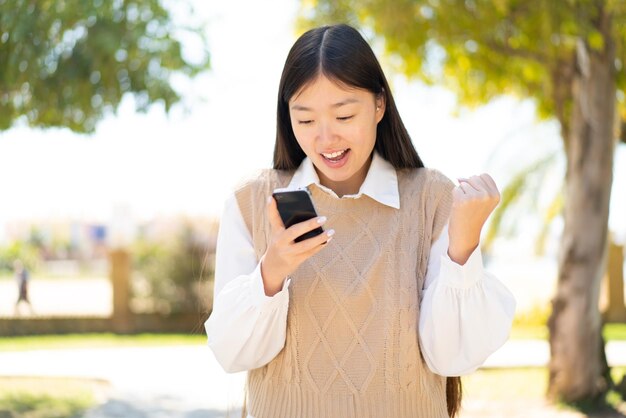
x,y
147,165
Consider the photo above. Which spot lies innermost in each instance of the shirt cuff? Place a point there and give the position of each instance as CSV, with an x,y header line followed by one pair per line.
x,y
259,298
462,276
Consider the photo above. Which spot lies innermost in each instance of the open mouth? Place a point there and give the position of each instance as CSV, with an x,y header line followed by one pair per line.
x,y
336,156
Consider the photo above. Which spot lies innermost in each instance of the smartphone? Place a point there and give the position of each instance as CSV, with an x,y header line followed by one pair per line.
x,y
296,206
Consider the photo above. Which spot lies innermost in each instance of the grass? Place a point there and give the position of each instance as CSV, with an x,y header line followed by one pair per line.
x,y
611,332
618,373
531,324
526,383
39,276
528,332
41,342
44,397
615,332
49,397
525,390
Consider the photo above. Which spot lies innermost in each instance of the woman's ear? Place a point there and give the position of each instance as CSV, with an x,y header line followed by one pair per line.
x,y
380,106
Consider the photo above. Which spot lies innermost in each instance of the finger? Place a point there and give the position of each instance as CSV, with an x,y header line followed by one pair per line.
x,y
294,231
484,184
273,216
467,189
458,194
310,243
476,183
316,249
488,180
487,189
468,185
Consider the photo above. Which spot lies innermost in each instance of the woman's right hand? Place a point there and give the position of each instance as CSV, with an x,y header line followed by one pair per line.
x,y
284,255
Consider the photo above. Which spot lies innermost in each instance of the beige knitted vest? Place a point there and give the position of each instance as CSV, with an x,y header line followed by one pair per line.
x,y
352,349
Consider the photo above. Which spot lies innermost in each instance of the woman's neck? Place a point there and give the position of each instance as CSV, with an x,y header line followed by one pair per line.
x,y
349,186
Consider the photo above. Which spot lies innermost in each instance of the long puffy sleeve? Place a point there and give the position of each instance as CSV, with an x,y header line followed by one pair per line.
x,y
466,313
246,328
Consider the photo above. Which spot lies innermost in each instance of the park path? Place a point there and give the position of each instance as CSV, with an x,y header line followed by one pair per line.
x,y
187,382
172,382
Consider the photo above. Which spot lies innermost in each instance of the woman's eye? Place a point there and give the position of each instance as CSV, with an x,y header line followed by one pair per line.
x,y
305,122
346,117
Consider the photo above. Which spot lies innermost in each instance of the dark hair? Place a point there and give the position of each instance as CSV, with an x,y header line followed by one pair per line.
x,y
454,395
340,53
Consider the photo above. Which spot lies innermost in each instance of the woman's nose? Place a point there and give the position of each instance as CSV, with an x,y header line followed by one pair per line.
x,y
325,133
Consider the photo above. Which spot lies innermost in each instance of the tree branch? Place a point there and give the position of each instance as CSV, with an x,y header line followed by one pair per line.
x,y
519,53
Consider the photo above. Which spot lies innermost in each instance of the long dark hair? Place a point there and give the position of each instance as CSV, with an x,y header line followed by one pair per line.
x,y
340,53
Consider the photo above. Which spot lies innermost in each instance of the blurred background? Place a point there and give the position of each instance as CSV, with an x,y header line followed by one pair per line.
x,y
125,124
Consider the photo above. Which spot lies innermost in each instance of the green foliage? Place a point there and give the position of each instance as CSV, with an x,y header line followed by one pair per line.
x,y
526,183
69,62
537,315
529,332
25,251
524,391
32,405
96,340
173,276
484,48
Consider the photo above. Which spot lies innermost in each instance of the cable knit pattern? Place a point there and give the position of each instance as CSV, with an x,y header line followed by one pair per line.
x,y
351,348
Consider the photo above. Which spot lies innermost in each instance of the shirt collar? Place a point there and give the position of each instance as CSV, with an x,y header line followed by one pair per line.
x,y
381,182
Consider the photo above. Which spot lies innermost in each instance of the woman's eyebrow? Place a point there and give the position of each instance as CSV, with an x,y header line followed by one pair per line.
x,y
338,104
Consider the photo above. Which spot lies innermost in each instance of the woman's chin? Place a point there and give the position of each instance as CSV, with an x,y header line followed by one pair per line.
x,y
335,176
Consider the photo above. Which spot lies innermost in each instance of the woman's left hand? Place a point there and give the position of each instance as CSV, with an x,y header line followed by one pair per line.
x,y
473,200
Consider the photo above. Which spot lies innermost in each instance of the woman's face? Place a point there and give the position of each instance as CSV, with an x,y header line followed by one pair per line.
x,y
336,128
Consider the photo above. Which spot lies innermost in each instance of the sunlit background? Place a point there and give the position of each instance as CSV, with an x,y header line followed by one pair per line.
x,y
155,184
149,165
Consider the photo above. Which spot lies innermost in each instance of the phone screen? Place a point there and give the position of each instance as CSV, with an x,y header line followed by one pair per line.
x,y
296,206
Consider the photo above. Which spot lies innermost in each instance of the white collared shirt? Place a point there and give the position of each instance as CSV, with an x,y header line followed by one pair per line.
x,y
465,313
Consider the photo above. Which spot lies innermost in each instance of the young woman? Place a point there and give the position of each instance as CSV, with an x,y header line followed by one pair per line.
x,y
379,315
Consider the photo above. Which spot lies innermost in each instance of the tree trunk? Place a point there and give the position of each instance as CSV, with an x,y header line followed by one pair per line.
x,y
578,364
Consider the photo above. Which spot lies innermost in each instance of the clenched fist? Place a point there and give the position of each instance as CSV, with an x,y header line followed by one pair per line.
x,y
473,200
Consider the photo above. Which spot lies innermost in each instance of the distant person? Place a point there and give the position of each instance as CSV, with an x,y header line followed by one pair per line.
x,y
22,277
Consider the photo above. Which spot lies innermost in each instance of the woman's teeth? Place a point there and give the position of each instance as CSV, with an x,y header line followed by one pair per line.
x,y
334,155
